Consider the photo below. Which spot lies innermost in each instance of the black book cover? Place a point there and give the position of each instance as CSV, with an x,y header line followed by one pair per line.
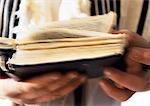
x,y
91,67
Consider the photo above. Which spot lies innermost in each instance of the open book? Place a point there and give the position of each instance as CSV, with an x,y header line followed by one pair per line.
x,y
50,48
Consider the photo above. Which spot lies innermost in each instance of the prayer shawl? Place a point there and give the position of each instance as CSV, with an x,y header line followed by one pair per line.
x,y
132,14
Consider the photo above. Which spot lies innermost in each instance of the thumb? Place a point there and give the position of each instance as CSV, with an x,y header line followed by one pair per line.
x,y
133,38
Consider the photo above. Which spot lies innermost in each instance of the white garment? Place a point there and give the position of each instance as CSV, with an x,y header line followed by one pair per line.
x,y
130,16
34,13
68,9
56,10
96,97
131,10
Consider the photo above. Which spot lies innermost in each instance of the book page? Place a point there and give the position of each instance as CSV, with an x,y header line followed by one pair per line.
x,y
102,23
7,43
25,57
62,34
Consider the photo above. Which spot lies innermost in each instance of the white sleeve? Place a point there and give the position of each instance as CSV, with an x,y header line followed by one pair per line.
x,y
95,96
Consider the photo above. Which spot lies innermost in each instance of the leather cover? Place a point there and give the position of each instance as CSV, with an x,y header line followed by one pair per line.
x,y
92,67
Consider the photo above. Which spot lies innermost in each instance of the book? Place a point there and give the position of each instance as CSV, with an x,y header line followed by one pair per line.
x,y
63,46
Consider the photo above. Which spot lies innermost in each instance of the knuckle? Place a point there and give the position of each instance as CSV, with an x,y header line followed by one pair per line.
x,y
146,56
144,86
56,76
72,74
33,87
82,78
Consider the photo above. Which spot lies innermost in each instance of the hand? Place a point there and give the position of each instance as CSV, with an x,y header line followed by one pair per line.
x,y
122,85
40,89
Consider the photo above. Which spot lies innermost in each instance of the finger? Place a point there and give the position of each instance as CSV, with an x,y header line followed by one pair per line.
x,y
39,82
20,101
129,81
133,67
30,88
58,93
70,86
35,87
134,39
114,92
45,78
30,98
63,81
33,92
31,95
141,55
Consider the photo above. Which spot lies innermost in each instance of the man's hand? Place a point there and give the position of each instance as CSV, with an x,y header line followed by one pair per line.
x,y
42,88
140,55
122,85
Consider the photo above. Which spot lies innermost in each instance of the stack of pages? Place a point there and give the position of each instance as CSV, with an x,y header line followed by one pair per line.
x,y
64,46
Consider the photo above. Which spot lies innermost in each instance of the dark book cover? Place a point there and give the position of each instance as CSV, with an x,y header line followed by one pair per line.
x,y
91,67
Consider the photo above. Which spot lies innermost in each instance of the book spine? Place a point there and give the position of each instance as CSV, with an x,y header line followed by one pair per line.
x,y
5,54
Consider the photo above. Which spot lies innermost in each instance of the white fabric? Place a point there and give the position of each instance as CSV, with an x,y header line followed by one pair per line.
x,y
5,17
94,95
146,32
1,11
57,10
68,9
34,13
130,14
12,18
